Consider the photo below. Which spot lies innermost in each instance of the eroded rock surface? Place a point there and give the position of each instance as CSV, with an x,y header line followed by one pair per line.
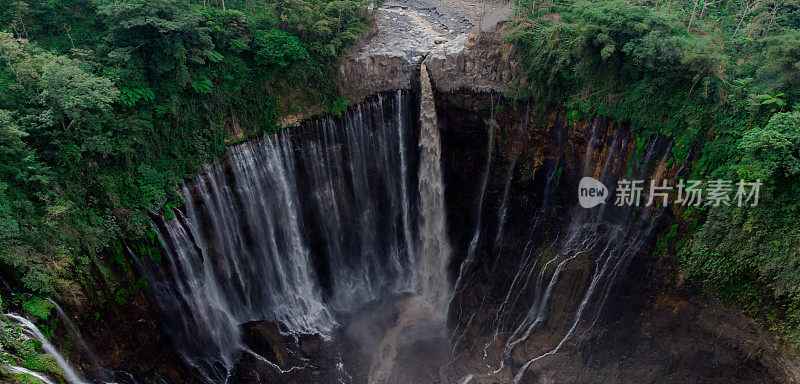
x,y
648,330
407,32
479,62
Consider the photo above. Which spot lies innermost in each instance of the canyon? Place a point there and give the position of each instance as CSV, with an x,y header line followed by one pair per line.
x,y
429,234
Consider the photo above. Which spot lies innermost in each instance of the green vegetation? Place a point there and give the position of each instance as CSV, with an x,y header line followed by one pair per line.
x,y
25,379
106,104
722,79
17,350
36,306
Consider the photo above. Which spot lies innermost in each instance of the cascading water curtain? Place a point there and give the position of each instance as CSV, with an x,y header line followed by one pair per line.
x,y
293,228
606,238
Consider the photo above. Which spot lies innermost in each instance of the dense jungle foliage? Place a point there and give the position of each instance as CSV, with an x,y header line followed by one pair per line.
x,y
106,104
722,79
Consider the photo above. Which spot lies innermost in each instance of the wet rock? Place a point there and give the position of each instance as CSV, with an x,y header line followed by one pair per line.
x,y
310,344
264,338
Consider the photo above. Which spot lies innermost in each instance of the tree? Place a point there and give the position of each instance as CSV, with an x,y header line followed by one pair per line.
x,y
278,48
781,67
70,93
19,165
17,55
745,8
164,37
772,151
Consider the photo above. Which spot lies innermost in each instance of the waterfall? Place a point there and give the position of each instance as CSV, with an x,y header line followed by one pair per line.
x,y
31,331
605,238
473,243
308,226
502,212
434,252
20,370
402,138
476,233
87,350
299,227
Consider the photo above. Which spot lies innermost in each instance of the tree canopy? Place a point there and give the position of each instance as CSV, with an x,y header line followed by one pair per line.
x,y
106,105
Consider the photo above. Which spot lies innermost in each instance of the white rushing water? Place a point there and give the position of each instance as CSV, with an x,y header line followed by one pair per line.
x,y
461,281
299,228
434,251
30,330
502,211
20,370
607,238
78,339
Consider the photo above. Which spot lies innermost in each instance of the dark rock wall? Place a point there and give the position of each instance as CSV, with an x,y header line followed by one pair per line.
x,y
647,330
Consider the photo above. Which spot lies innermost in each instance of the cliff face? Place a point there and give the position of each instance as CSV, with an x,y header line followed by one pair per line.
x,y
478,62
406,35
511,189
389,59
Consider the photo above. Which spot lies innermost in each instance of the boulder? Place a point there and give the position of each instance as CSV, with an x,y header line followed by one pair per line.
x,y
310,344
264,338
